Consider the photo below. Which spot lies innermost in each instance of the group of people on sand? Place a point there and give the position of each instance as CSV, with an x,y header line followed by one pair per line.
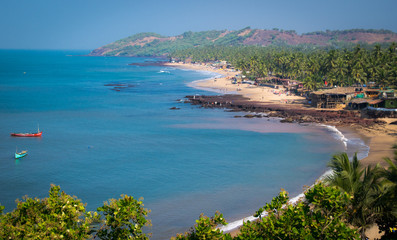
x,y
275,92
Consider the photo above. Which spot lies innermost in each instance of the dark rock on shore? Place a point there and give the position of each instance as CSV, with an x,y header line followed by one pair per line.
x,y
287,120
252,116
289,112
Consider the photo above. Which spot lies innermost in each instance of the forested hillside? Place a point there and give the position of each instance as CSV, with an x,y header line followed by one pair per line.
x,y
337,67
153,44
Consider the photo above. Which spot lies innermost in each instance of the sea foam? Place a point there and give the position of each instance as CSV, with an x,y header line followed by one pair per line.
x,y
337,134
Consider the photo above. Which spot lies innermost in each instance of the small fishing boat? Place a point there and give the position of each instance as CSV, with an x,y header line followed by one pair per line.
x,y
21,154
38,134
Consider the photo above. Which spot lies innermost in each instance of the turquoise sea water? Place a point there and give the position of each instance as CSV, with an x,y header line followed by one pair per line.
x,y
99,143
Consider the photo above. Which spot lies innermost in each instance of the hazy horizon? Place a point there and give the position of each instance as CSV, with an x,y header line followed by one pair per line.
x,y
89,24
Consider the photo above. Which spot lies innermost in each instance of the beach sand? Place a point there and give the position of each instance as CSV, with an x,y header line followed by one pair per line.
x,y
224,85
380,138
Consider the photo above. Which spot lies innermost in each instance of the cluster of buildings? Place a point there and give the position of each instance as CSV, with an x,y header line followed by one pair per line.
x,y
352,98
375,102
372,99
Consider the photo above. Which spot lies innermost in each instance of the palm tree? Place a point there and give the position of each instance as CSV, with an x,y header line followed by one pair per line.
x,y
364,211
377,52
359,75
340,70
346,175
388,201
383,76
392,48
363,185
310,83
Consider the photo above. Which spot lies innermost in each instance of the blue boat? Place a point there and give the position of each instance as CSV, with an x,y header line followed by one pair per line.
x,y
21,154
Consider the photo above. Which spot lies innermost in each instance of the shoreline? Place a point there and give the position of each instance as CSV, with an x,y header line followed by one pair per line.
x,y
380,138
233,227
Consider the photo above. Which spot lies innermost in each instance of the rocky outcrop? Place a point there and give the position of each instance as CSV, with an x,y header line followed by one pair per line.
x,y
289,112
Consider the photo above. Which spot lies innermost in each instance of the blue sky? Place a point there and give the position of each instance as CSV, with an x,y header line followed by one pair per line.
x,y
88,24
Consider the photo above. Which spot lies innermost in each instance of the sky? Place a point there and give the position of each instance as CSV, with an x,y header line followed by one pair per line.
x,y
89,24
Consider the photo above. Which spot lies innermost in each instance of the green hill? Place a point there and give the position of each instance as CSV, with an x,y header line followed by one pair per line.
x,y
153,44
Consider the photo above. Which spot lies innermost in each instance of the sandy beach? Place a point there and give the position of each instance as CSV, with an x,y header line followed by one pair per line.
x,y
224,85
379,137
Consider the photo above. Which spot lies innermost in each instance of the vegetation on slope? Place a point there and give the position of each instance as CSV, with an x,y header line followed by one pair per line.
x,y
313,67
149,44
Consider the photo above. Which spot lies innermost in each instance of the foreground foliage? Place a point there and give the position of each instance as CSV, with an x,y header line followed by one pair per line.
x,y
350,201
61,216
56,217
363,184
124,219
372,190
388,201
206,228
355,199
320,216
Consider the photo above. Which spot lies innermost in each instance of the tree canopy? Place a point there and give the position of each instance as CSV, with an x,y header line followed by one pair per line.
x,y
61,216
314,67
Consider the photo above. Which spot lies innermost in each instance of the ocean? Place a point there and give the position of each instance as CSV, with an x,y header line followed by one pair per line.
x,y
108,129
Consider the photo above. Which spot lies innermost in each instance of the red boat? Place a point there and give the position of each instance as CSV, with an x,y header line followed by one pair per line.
x,y
38,134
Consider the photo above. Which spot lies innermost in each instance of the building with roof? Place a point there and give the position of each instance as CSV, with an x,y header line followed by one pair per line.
x,y
333,98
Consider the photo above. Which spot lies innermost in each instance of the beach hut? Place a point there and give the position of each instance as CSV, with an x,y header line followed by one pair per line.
x,y
384,106
358,104
376,103
333,98
389,99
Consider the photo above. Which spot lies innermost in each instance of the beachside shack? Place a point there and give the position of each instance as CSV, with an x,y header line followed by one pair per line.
x,y
332,98
389,98
358,103
382,108
376,103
